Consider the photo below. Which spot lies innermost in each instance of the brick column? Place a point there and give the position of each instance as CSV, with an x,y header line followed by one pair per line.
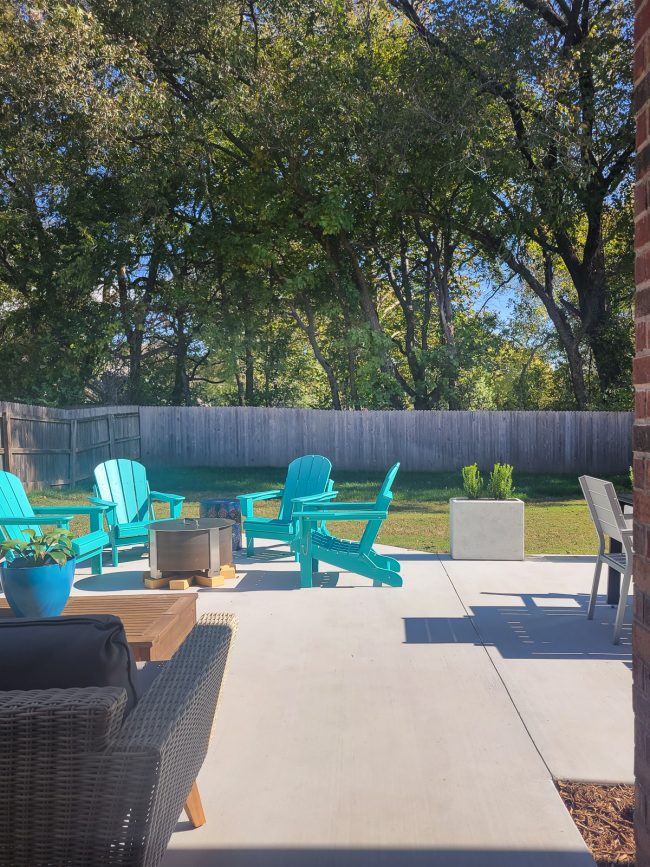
x,y
641,626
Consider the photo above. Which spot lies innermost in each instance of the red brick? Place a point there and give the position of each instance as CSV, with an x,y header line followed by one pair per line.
x,y
642,369
642,266
642,302
641,22
639,61
641,128
642,230
641,196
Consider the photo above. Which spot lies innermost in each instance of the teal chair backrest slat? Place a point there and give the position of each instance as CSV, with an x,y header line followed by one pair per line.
x,y
306,476
382,503
14,504
124,482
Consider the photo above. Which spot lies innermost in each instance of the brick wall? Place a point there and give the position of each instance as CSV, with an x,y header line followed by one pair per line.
x,y
641,627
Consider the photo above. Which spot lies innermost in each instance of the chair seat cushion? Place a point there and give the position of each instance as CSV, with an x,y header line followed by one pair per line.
x,y
67,652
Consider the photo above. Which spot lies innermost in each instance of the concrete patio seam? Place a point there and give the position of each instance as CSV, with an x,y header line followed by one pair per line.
x,y
495,667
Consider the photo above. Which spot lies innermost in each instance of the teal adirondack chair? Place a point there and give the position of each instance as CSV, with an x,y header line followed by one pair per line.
x,y
314,541
17,515
121,487
308,480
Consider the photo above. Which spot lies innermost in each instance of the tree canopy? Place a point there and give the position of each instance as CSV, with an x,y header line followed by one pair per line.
x,y
331,203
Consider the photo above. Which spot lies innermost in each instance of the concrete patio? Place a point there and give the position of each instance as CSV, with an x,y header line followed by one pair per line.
x,y
406,727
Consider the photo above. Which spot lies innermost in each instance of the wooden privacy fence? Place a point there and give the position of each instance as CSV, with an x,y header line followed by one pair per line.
x,y
45,446
557,442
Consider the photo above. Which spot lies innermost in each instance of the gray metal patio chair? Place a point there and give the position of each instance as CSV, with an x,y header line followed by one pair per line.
x,y
80,786
608,519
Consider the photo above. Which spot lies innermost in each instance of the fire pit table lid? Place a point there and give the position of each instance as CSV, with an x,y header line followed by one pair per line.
x,y
190,524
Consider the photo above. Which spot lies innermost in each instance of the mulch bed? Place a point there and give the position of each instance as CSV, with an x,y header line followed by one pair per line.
x,y
604,816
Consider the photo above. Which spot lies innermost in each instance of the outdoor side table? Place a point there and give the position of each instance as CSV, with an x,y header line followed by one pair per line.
x,y
188,550
213,507
156,624
615,547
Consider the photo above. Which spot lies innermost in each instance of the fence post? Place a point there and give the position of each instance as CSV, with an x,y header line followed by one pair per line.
x,y
111,435
73,452
139,433
6,441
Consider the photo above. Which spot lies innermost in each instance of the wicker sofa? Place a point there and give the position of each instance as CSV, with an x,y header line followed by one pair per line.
x,y
80,786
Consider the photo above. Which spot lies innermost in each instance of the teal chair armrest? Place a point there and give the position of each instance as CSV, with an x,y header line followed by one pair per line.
x,y
316,498
95,513
246,501
310,501
107,507
58,519
106,504
72,510
262,495
166,498
175,502
340,507
335,515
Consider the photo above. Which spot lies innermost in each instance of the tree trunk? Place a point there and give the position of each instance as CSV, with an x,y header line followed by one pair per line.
x,y
181,395
249,374
309,327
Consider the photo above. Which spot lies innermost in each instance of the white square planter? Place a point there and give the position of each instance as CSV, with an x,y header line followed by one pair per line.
x,y
486,529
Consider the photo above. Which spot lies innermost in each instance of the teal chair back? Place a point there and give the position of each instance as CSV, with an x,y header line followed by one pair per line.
x,y
382,504
306,476
125,483
14,504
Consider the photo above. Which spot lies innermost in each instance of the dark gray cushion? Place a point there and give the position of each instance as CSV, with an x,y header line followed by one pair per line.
x,y
67,652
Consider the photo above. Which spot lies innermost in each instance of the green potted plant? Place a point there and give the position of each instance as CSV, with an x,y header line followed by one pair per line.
x,y
38,572
487,527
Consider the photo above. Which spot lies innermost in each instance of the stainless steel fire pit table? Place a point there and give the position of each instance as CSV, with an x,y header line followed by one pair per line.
x,y
190,548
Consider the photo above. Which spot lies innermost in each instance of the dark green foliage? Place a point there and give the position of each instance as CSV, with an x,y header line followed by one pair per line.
x,y
303,204
40,550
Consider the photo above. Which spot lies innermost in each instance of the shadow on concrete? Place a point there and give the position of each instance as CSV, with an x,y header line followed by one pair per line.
x,y
361,857
256,581
268,554
420,556
111,581
545,626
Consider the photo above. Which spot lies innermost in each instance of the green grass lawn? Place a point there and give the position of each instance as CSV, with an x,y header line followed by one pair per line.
x,y
557,521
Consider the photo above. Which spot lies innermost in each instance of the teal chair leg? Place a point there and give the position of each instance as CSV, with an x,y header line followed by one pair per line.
x,y
314,566
250,546
306,579
114,554
175,510
96,564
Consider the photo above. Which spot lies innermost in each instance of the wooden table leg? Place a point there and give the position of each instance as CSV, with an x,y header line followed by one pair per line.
x,y
613,576
194,807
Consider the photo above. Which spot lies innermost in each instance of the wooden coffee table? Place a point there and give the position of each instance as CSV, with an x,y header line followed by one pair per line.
x,y
155,624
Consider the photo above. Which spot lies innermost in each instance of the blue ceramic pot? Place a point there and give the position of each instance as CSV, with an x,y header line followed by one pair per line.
x,y
37,591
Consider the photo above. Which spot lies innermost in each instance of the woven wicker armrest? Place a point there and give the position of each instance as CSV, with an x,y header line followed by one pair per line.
x,y
62,722
54,770
190,679
162,745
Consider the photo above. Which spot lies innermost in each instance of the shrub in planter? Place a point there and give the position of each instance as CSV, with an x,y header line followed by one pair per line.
x,y
472,482
489,528
500,485
38,572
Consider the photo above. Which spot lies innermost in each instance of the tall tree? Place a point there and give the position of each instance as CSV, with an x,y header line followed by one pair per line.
x,y
556,75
